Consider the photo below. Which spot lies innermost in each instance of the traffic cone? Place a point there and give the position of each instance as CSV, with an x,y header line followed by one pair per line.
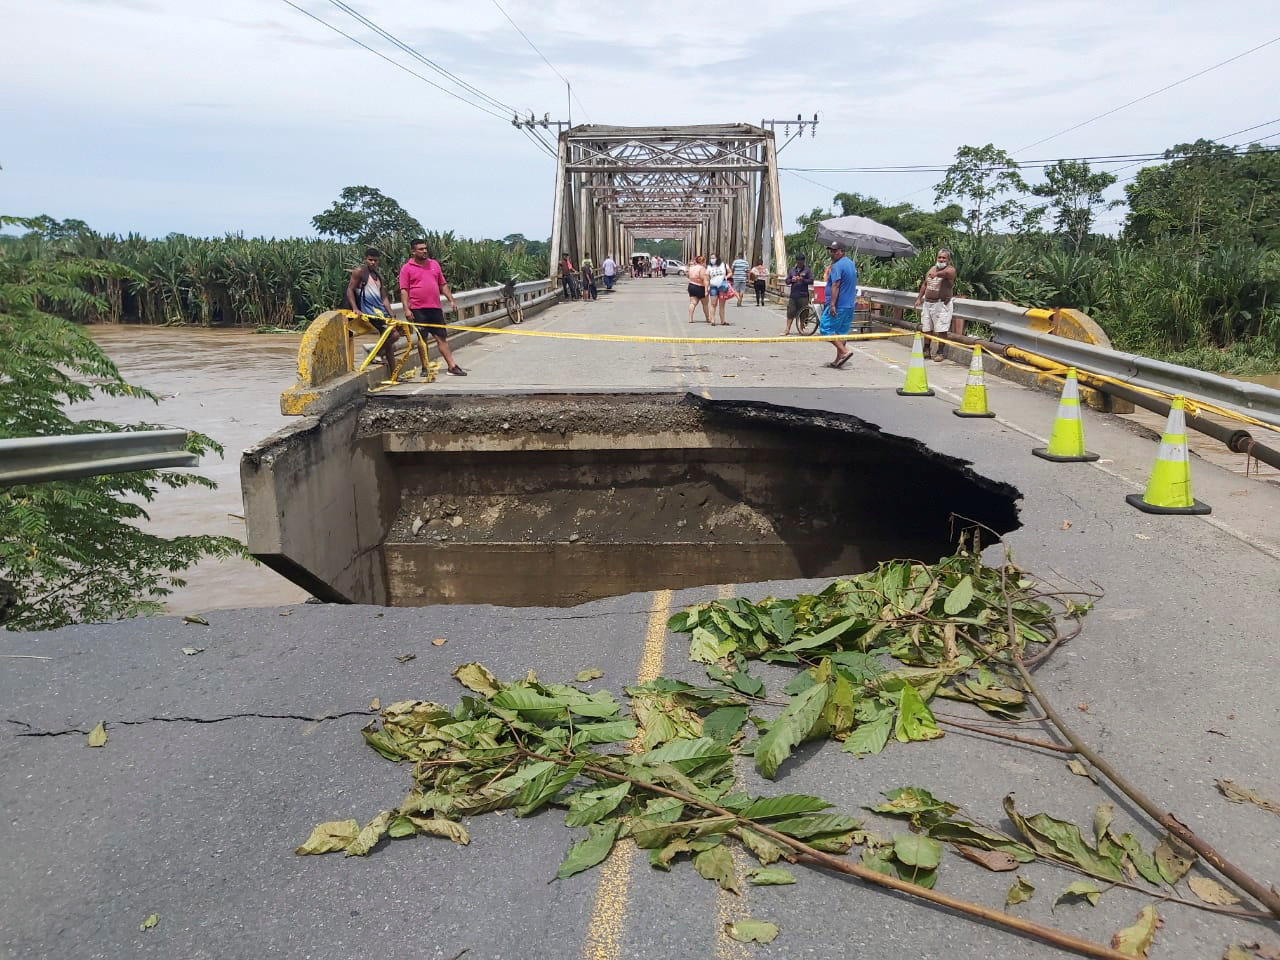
x,y
1066,443
1169,486
917,384
974,401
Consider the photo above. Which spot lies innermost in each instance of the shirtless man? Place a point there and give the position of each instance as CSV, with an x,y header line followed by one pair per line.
x,y
936,291
698,287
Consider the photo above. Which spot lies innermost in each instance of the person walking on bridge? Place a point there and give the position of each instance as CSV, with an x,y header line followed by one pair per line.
x,y
842,296
698,287
367,296
799,279
934,302
740,267
759,280
610,270
421,283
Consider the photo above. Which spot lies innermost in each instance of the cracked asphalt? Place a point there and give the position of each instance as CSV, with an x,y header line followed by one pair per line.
x,y
217,765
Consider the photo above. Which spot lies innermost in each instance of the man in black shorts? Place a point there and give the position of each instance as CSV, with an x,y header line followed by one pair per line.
x,y
800,279
421,283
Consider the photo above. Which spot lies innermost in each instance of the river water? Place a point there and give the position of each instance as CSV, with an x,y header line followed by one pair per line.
x,y
225,383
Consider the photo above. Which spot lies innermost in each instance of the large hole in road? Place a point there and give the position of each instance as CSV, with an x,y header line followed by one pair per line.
x,y
553,501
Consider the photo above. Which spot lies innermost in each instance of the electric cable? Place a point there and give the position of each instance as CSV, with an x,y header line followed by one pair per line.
x,y
394,63
421,58
542,55
1148,96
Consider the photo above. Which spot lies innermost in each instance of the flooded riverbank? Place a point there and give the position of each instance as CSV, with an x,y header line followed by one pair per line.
x,y
225,383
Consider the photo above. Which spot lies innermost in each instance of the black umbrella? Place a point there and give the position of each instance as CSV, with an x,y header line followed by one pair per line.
x,y
865,236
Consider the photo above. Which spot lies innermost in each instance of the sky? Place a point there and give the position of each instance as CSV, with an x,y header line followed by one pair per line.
x,y
247,116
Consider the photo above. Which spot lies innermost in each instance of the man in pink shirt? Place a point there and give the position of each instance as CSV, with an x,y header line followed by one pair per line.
x,y
421,283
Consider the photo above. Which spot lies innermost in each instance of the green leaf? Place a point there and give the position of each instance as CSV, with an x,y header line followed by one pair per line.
x,y
331,837
917,850
1020,892
879,859
97,736
811,826
1082,889
367,838
971,835
857,666
765,850
401,827
752,931
530,705
150,922
833,632
723,723
913,801
591,673
661,858
1142,861
612,731
770,876
792,727
915,721
192,618
1136,940
1061,840
784,622
959,598
590,806
1103,814
787,805
702,757
1174,860
870,737
585,854
706,647
440,827
717,864
475,677
542,788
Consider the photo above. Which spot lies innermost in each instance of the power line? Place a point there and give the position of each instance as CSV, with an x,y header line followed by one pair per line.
x,y
1128,159
542,55
1148,96
391,38
394,63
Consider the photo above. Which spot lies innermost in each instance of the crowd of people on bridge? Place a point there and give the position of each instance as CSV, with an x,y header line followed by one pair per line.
x,y
712,283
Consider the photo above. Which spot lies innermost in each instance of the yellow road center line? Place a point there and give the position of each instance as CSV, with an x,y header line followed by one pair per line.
x,y
731,908
609,912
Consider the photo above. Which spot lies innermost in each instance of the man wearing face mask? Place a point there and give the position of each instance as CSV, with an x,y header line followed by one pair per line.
x,y
934,302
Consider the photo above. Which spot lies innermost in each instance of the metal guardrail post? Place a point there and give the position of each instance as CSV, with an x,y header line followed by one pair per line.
x,y
40,459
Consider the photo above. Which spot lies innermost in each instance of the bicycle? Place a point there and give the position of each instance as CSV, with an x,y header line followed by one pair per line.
x,y
511,301
807,320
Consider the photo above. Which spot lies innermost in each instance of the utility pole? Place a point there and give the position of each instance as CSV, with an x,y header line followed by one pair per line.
x,y
800,123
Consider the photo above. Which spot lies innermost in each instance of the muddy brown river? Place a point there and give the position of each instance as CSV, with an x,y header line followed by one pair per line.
x,y
225,383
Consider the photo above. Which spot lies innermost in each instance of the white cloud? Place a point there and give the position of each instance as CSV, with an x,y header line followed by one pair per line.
x,y
160,115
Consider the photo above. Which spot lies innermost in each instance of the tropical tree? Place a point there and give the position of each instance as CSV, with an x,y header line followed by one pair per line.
x,y
366,215
1074,192
69,550
986,183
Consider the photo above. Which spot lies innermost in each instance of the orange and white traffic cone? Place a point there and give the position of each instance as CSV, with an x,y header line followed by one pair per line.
x,y
917,383
1066,443
974,401
1169,486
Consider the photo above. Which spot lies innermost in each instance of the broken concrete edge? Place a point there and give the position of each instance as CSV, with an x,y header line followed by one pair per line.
x,y
763,409
325,381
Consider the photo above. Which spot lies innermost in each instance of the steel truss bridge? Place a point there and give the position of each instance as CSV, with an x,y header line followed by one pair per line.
x,y
713,187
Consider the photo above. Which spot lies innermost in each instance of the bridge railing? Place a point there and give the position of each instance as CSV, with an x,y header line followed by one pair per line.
x,y
1072,338
326,360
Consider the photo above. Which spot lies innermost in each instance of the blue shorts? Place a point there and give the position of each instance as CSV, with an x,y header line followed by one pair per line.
x,y
831,325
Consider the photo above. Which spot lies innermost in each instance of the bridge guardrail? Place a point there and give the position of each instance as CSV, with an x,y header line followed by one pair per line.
x,y
1033,330
326,361
65,457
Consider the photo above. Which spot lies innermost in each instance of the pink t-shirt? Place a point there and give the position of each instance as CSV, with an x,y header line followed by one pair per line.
x,y
420,284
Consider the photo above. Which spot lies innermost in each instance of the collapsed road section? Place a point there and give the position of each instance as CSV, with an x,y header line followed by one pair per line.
x,y
554,500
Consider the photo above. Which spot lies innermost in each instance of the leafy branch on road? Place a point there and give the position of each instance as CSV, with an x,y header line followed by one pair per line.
x,y
868,657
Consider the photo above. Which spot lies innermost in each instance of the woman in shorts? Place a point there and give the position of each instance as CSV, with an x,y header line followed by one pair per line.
x,y
717,283
698,287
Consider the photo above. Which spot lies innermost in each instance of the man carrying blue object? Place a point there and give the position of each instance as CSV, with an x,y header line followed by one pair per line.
x,y
842,295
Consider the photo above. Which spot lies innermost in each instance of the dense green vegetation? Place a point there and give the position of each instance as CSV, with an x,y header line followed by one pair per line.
x,y
69,550
1194,276
242,281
